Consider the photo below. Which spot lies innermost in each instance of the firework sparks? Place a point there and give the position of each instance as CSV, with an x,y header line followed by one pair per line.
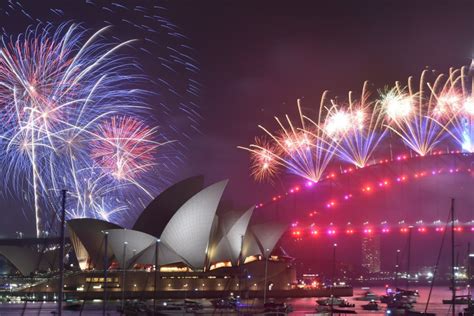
x,y
125,148
421,117
264,159
363,132
55,94
455,108
410,115
303,151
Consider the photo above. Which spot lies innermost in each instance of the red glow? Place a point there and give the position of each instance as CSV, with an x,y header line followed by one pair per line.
x,y
422,229
404,230
296,233
331,232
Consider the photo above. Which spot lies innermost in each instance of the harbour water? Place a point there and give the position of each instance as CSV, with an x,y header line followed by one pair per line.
x,y
305,306
301,306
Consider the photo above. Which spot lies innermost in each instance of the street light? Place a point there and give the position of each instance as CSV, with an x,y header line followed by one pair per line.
x,y
266,254
334,264
157,269
106,245
123,274
333,276
396,268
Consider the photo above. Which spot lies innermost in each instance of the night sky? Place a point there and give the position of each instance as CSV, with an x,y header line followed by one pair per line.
x,y
256,58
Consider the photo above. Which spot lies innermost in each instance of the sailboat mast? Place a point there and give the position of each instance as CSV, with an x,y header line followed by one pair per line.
x,y
409,257
453,277
61,254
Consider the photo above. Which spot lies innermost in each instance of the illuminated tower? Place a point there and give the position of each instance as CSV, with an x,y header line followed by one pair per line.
x,y
371,253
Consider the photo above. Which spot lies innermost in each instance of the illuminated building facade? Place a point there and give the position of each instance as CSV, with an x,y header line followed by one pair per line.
x,y
196,244
371,253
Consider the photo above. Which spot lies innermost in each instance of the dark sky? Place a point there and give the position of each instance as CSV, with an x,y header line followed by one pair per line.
x,y
258,57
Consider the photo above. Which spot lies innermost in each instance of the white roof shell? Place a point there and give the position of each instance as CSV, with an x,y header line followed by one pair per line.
x,y
188,231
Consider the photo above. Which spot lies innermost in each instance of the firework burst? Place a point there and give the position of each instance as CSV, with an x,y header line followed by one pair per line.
x,y
410,114
125,148
454,109
363,130
57,88
303,151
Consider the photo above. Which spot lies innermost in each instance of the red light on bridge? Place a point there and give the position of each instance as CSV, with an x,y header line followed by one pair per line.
x,y
404,230
458,229
385,230
368,231
349,231
439,229
314,232
422,229
330,204
367,189
296,233
331,232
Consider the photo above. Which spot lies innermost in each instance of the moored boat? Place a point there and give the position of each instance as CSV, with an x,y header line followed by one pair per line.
x,y
371,306
367,296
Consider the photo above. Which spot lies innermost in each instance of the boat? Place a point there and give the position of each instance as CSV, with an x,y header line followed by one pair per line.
x,y
328,301
277,307
225,303
399,307
469,310
414,313
168,310
403,295
367,296
346,303
133,308
327,310
459,300
343,311
414,293
371,306
73,305
192,305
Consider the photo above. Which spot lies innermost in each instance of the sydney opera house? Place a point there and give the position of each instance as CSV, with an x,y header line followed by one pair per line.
x,y
185,240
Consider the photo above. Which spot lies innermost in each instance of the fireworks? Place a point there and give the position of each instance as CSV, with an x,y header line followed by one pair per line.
x,y
125,147
60,93
363,131
411,115
264,159
60,140
454,109
421,116
302,151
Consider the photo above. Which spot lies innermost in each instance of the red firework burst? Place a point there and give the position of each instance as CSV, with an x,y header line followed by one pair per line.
x,y
124,147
